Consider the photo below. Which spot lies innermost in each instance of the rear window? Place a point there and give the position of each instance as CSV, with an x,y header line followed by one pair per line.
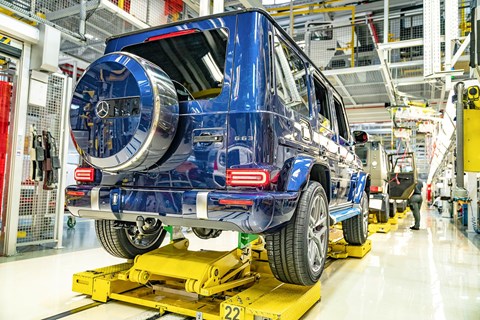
x,y
362,153
195,62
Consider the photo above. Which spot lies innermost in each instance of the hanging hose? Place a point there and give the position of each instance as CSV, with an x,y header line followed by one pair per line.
x,y
474,223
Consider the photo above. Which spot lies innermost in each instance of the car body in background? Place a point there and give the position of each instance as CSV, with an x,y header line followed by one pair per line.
x,y
375,161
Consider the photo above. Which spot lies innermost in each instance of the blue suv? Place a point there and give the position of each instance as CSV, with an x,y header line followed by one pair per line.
x,y
216,123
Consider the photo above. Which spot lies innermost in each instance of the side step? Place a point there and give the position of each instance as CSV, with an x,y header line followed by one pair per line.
x,y
345,214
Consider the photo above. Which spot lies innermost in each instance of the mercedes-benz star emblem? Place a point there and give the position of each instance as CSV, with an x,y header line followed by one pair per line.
x,y
102,109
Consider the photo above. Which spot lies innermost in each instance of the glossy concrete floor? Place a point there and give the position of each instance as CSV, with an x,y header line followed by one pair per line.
x,y
433,273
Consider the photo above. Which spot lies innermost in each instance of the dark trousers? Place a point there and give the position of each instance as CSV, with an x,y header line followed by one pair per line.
x,y
415,205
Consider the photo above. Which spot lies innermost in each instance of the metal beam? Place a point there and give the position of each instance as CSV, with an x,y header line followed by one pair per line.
x,y
387,77
460,50
252,4
404,64
192,5
19,30
347,94
400,44
32,17
409,81
362,84
110,6
72,11
376,67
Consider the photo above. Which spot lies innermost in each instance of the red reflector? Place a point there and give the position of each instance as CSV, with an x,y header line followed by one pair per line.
x,y
248,177
171,35
84,174
75,193
236,202
374,189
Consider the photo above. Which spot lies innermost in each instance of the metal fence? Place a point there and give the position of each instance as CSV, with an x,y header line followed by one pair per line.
x,y
38,211
330,46
103,19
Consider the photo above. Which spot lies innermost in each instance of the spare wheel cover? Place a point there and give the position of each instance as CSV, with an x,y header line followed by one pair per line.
x,y
124,113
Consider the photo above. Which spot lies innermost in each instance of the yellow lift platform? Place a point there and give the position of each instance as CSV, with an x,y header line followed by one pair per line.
x,y
234,285
338,248
393,220
374,226
403,214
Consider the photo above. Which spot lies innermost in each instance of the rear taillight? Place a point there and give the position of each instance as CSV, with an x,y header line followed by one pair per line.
x,y
84,174
376,189
248,177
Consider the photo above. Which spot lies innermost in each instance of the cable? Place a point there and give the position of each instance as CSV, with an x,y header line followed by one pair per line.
x,y
474,223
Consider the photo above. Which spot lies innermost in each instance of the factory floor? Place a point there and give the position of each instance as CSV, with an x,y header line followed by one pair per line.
x,y
432,273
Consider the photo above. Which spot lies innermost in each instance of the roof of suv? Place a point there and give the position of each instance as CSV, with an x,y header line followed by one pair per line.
x,y
231,13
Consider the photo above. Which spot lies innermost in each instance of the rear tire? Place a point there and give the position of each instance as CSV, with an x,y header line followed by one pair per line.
x,y
126,242
355,229
393,208
382,216
401,206
298,251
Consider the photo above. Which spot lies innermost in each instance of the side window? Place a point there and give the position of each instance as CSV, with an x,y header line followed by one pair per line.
x,y
291,78
322,101
343,129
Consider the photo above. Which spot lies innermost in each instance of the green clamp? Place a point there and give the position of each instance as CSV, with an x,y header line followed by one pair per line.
x,y
244,239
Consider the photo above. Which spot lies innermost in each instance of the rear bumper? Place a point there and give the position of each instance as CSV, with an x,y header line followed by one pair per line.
x,y
378,202
184,207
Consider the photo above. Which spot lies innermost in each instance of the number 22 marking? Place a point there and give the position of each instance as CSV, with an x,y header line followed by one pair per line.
x,y
232,313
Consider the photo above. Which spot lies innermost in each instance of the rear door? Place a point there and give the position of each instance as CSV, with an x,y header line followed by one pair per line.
x,y
325,135
198,58
346,158
403,178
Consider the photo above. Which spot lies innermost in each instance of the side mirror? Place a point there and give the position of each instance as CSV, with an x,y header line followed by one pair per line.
x,y
360,136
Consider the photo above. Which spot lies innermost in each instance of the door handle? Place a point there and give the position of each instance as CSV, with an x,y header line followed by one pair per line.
x,y
207,138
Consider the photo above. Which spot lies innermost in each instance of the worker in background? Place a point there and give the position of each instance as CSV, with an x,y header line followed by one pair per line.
x,y
416,204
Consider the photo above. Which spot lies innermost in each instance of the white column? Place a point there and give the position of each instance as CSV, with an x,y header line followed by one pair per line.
x,y
431,37
473,207
16,151
204,8
446,192
218,6
63,155
451,33
386,21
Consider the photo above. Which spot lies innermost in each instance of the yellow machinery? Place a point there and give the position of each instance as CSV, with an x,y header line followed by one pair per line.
x,y
402,214
234,285
471,125
374,226
338,248
394,219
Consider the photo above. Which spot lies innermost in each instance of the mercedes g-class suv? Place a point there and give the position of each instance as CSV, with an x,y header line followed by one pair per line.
x,y
216,123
